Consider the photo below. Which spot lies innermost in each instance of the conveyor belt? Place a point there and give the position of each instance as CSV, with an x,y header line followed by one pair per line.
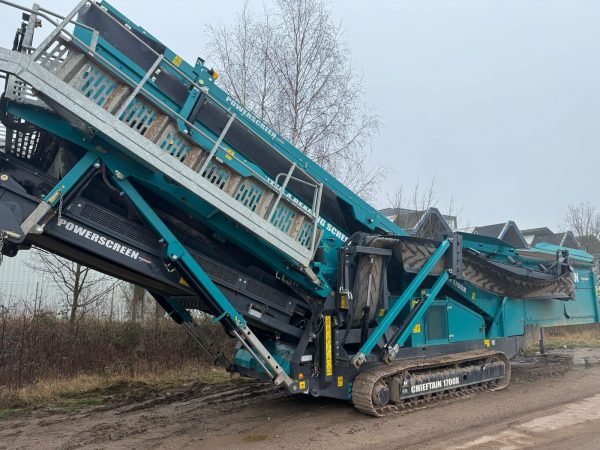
x,y
499,279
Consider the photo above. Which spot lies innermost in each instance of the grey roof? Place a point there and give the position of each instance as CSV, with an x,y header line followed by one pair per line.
x,y
507,232
410,218
544,234
489,230
432,225
541,230
387,212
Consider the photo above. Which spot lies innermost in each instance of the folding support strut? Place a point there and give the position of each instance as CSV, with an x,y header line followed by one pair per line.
x,y
183,317
70,184
416,314
200,282
391,315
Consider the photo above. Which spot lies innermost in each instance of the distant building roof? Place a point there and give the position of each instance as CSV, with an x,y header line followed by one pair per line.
x,y
541,230
535,236
489,230
410,218
507,232
432,225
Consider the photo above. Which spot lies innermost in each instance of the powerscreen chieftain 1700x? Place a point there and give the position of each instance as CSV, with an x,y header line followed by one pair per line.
x,y
120,155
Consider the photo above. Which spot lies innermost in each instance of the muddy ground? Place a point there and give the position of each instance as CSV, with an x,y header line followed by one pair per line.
x,y
553,401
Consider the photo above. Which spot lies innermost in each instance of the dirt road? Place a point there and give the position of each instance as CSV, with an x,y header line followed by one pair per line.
x,y
552,402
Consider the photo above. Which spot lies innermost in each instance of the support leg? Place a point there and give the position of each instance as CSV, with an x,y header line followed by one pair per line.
x,y
416,314
201,283
184,318
70,184
542,343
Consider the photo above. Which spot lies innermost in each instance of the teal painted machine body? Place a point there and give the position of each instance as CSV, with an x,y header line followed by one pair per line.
x,y
169,123
363,215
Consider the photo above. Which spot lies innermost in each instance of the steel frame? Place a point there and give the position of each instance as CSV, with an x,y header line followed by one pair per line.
x,y
392,348
23,67
179,256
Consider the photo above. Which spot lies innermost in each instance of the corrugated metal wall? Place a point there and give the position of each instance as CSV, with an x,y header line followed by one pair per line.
x,y
19,282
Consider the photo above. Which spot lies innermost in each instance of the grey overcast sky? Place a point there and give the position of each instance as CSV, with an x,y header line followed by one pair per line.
x,y
498,99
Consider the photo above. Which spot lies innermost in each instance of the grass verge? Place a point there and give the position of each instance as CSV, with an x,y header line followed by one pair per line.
x,y
572,339
575,336
88,390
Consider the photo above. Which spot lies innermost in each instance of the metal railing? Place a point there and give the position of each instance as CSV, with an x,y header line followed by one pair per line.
x,y
60,32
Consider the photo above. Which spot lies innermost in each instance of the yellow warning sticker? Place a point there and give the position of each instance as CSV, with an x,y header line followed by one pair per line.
x,y
417,328
340,381
473,296
177,61
487,342
302,385
343,302
182,281
328,352
229,154
381,312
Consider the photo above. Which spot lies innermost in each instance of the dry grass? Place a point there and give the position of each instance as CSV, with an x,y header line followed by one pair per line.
x,y
43,347
572,338
86,390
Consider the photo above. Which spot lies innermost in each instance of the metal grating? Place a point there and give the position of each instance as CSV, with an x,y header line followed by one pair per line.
x,y
216,270
139,116
112,221
249,194
267,293
2,137
223,274
305,234
54,56
436,323
94,84
172,142
22,145
19,91
283,218
217,175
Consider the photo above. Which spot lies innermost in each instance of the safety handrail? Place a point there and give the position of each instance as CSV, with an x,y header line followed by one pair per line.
x,y
312,212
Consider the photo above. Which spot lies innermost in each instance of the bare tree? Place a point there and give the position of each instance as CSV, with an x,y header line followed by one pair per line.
x,y
583,220
80,287
291,67
135,297
243,51
411,204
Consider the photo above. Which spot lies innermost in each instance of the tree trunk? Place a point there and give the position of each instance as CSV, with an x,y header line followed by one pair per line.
x,y
76,292
136,302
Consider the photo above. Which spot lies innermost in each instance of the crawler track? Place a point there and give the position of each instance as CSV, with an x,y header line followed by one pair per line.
x,y
364,384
